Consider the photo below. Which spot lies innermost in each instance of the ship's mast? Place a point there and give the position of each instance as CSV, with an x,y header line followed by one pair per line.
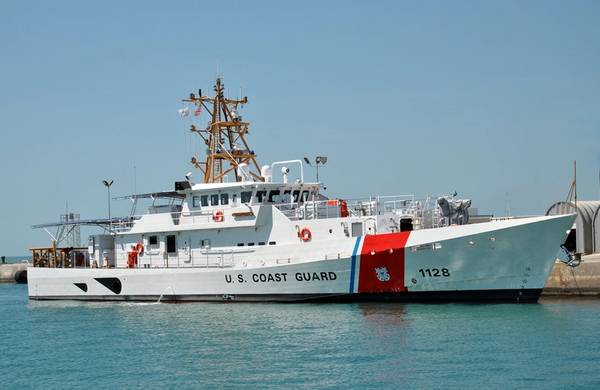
x,y
227,150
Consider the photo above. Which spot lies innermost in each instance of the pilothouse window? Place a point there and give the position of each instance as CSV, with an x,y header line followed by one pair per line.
x,y
304,196
287,196
195,201
260,195
204,200
246,196
274,196
214,200
224,199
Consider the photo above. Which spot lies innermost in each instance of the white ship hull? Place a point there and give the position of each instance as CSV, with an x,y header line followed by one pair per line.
x,y
502,260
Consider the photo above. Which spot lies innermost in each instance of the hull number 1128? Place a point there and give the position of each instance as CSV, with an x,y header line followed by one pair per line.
x,y
435,272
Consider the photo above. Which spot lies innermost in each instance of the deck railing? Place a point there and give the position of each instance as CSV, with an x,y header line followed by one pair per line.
x,y
399,205
183,258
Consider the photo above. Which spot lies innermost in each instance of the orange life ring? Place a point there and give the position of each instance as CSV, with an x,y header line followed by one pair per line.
x,y
305,234
139,248
218,216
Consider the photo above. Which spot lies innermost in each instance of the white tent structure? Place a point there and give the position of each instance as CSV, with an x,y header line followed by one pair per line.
x,y
587,223
596,228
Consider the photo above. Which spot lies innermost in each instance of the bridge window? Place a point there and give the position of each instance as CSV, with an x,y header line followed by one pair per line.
x,y
224,199
214,200
274,196
195,201
304,196
260,195
246,196
295,195
287,196
204,200
153,241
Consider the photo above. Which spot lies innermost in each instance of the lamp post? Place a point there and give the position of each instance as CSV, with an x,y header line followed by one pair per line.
x,y
107,184
318,160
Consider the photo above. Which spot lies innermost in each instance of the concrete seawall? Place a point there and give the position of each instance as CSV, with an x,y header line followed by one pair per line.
x,y
583,280
10,272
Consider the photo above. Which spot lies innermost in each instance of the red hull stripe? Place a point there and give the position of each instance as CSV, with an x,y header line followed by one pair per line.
x,y
382,263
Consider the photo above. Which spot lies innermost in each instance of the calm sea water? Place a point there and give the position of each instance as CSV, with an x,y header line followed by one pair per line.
x,y
555,344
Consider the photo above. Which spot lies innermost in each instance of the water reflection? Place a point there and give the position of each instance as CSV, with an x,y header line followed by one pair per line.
x,y
387,312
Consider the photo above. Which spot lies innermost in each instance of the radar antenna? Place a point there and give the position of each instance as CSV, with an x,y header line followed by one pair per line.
x,y
225,138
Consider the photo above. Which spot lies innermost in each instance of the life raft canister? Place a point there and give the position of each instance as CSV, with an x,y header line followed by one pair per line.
x,y
305,234
343,205
343,208
218,216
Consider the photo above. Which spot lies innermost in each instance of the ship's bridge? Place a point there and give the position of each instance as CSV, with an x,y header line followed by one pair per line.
x,y
209,196
220,195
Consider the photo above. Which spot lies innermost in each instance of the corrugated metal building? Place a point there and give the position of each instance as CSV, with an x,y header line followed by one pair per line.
x,y
596,227
587,223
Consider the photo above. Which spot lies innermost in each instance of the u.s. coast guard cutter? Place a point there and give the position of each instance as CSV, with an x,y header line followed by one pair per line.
x,y
265,234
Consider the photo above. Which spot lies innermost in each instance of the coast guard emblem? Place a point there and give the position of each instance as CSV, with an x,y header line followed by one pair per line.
x,y
382,274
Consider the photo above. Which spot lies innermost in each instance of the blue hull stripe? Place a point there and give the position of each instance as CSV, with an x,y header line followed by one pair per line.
x,y
353,266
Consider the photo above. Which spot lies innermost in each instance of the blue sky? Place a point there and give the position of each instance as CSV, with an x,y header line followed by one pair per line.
x,y
493,99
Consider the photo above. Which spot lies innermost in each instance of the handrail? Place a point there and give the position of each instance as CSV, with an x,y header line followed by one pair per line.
x,y
290,162
400,205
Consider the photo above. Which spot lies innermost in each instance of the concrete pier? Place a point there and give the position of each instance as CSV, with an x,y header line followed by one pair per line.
x,y
583,280
11,273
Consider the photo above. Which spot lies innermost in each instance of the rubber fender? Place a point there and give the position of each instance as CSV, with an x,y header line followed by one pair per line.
x,y
21,276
